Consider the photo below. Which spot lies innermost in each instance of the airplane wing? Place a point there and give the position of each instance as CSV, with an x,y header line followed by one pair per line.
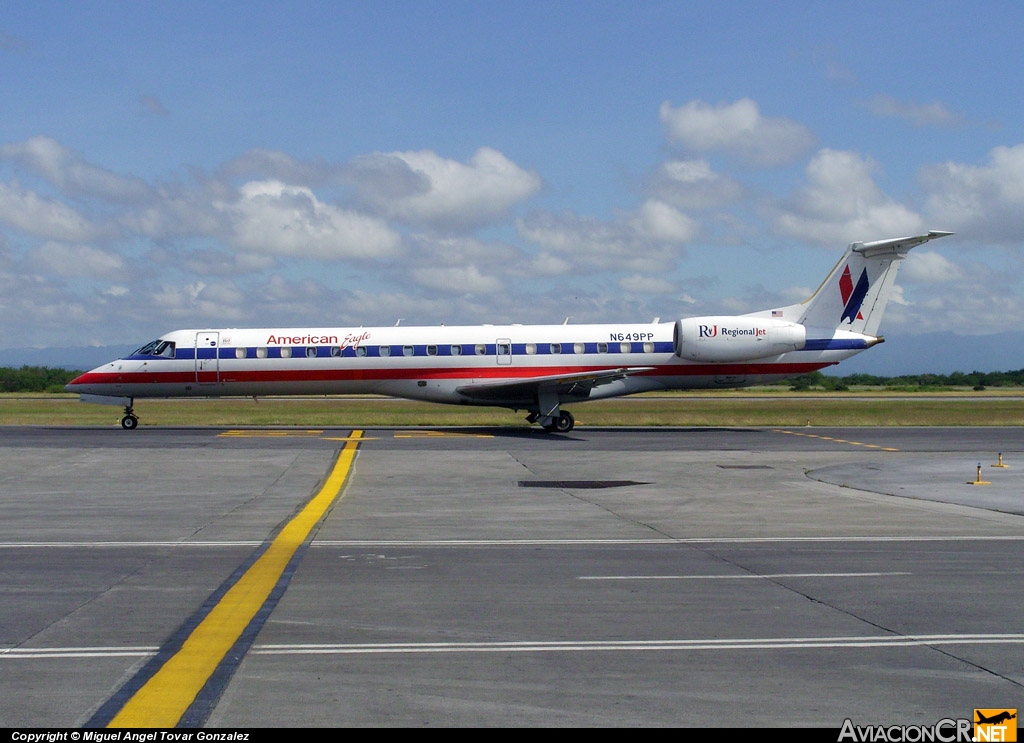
x,y
576,386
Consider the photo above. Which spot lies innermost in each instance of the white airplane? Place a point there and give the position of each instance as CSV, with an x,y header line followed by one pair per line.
x,y
536,368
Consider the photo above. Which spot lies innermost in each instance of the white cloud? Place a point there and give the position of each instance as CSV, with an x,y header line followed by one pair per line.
x,y
546,264
217,304
693,184
458,280
637,284
72,261
737,129
428,250
658,221
264,164
212,262
425,189
841,203
975,296
387,307
179,210
927,267
67,171
32,214
275,218
961,312
588,244
985,202
918,114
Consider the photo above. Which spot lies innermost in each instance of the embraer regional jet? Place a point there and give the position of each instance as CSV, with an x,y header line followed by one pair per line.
x,y
535,368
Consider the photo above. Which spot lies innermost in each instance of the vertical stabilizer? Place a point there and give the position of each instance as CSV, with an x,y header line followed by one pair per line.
x,y
854,295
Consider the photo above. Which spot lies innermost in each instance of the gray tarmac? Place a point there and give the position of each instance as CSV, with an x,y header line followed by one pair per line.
x,y
505,577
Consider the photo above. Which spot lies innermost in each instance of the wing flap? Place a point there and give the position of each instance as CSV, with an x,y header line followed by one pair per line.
x,y
523,391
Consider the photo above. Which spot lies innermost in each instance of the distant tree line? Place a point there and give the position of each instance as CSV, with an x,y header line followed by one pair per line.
x,y
975,380
35,379
48,379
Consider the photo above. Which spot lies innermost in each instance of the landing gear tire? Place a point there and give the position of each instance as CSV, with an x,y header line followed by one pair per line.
x,y
562,423
130,421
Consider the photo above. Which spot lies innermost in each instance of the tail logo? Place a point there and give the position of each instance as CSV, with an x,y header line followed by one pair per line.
x,y
853,296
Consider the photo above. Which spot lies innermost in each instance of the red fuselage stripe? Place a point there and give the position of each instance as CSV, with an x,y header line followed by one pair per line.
x,y
372,375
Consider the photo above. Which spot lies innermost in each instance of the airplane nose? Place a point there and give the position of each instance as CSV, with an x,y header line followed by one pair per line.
x,y
85,383
73,385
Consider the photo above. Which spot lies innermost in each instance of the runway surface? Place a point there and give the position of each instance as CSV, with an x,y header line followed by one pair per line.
x,y
489,577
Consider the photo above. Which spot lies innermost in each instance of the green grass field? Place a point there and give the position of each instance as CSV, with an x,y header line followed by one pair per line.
x,y
745,408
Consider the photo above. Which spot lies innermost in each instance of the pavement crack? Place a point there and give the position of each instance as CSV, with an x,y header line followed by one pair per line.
x,y
834,607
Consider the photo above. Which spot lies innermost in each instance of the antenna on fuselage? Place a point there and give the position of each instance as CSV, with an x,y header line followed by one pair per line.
x,y
398,321
566,320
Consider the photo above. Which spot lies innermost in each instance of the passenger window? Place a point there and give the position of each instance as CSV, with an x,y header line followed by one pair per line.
x,y
360,350
531,348
648,347
625,347
503,349
286,352
408,350
556,348
261,352
480,349
431,350
456,350
385,350
241,353
602,348
579,348
335,351
310,352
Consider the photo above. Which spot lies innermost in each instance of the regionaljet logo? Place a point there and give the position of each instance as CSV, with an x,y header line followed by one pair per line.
x,y
853,296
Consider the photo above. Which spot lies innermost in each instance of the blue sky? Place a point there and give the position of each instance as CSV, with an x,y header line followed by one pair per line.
x,y
177,164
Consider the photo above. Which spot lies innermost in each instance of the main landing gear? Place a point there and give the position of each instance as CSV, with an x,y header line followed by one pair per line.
x,y
559,422
130,421
548,414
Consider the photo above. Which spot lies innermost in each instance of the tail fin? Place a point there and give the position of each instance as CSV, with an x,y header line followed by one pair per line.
x,y
854,295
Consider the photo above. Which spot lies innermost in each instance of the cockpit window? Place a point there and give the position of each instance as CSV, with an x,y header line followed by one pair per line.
x,y
157,348
165,349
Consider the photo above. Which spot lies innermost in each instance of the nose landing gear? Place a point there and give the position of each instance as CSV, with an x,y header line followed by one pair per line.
x,y
130,421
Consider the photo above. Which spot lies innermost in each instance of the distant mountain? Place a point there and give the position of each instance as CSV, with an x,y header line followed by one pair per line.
x,y
932,353
82,357
937,353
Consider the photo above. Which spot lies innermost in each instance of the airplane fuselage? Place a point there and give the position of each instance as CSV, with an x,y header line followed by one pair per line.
x,y
435,364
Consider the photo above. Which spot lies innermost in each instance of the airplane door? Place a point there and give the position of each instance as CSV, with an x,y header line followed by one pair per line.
x,y
503,350
207,358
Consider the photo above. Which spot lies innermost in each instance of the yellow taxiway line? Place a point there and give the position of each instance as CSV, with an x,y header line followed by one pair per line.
x,y
163,700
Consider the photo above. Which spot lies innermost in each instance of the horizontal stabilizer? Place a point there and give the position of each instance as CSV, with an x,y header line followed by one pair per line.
x,y
897,246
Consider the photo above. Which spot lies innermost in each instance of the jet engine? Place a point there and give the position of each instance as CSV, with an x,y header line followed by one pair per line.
x,y
724,338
